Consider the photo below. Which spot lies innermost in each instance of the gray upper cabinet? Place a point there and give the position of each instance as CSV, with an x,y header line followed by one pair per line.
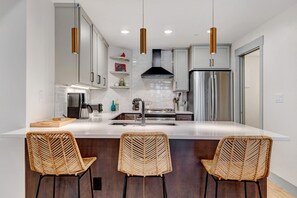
x,y
82,69
180,67
100,58
86,74
201,59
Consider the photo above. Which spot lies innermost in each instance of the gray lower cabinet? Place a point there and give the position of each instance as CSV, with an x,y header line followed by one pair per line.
x,y
180,70
184,117
200,57
85,68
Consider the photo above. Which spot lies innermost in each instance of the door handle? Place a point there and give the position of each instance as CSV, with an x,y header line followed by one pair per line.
x,y
215,98
104,80
211,106
98,79
92,77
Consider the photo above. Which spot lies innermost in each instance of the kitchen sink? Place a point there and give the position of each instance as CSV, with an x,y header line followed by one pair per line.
x,y
148,116
139,124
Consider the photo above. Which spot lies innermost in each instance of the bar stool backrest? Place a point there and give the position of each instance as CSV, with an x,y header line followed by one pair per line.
x,y
54,153
144,154
242,158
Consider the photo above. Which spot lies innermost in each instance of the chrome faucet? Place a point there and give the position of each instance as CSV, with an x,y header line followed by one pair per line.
x,y
142,110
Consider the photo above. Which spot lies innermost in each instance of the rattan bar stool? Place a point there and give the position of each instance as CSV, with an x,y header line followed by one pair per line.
x,y
57,154
241,159
145,154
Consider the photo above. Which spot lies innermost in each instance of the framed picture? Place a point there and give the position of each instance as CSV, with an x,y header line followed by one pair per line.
x,y
120,67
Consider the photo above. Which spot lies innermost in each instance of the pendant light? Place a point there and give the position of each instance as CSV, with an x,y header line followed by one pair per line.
x,y
143,33
213,34
74,33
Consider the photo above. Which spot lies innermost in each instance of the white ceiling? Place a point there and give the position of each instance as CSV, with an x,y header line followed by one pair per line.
x,y
189,19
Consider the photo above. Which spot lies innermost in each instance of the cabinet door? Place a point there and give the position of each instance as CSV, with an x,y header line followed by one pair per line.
x,y
181,74
222,57
86,75
97,75
201,59
105,65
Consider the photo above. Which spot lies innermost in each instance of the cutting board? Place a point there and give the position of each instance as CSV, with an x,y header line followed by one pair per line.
x,y
55,122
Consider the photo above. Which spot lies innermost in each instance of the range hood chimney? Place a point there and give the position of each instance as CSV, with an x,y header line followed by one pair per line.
x,y
156,71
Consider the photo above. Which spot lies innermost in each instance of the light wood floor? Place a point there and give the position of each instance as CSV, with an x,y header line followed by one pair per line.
x,y
274,191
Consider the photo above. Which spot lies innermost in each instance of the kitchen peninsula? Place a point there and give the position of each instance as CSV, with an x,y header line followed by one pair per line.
x,y
190,142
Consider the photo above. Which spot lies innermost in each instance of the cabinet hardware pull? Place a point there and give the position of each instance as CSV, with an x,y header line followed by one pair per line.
x,y
98,79
92,76
104,79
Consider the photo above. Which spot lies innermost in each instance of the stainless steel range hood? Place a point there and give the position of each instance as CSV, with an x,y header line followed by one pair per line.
x,y
156,71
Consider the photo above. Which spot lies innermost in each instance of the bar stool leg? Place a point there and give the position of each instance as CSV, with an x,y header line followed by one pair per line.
x,y
245,193
125,186
206,182
78,187
40,178
164,187
217,183
259,189
91,183
54,187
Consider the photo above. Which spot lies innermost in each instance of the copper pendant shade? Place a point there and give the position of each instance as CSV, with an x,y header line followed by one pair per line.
x,y
143,41
213,40
213,33
74,32
143,33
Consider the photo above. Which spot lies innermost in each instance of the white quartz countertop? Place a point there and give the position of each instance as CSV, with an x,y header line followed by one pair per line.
x,y
100,127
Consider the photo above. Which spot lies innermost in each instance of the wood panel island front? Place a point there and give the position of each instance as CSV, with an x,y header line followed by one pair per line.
x,y
190,142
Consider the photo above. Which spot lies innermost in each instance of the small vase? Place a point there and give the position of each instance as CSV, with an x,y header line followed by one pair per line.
x,y
113,106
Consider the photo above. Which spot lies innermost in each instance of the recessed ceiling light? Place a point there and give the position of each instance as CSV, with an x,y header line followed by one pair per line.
x,y
208,31
125,31
168,31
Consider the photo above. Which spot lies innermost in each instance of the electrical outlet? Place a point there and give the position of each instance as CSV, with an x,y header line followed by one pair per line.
x,y
97,182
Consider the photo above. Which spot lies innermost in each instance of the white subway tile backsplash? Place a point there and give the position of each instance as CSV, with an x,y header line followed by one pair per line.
x,y
156,92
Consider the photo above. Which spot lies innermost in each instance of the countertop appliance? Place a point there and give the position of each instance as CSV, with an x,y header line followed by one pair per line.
x,y
85,110
210,95
76,106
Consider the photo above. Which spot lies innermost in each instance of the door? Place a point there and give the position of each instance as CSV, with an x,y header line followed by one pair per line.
x,y
200,95
251,89
222,96
97,58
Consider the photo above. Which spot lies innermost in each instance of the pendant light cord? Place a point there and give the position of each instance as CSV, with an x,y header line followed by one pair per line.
x,y
143,13
212,13
74,12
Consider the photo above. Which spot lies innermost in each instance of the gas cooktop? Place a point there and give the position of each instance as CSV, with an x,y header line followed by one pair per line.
x,y
160,111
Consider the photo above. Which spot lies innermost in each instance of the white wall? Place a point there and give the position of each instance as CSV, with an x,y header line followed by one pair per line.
x,y
12,95
27,68
159,92
12,64
252,96
40,60
280,71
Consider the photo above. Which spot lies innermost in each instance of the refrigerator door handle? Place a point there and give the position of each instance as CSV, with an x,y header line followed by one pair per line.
x,y
210,105
212,99
215,98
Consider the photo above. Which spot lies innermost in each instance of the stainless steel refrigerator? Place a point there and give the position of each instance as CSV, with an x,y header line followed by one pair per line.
x,y
210,95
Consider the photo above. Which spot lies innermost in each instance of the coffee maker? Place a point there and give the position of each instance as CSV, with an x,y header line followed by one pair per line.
x,y
76,101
